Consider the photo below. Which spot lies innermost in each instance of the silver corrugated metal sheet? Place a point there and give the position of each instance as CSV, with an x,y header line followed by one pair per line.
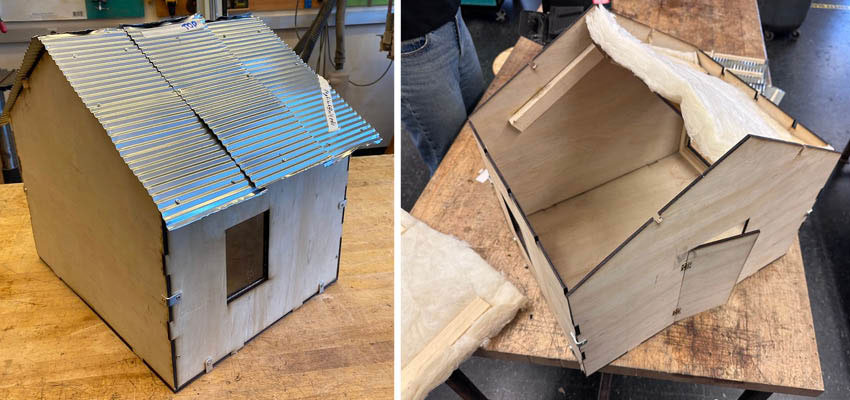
x,y
752,72
269,60
258,131
184,168
202,124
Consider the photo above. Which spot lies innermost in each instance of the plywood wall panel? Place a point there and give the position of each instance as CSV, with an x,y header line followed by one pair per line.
x,y
93,222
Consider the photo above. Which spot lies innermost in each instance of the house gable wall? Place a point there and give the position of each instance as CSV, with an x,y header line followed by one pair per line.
x,y
93,222
606,125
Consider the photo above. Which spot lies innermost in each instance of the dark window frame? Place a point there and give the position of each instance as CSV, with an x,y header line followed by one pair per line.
x,y
247,288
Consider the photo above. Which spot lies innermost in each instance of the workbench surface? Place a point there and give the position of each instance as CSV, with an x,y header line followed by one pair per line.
x,y
338,344
762,339
724,26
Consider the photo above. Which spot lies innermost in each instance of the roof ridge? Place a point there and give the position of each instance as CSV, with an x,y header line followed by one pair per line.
x,y
203,122
269,143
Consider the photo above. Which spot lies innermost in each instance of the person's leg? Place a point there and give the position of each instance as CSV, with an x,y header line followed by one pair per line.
x,y
471,77
432,106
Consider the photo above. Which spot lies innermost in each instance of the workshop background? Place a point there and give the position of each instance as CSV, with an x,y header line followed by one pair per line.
x,y
371,92
813,71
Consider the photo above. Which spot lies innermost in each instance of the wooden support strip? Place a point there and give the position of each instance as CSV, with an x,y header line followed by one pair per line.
x,y
557,87
450,334
688,154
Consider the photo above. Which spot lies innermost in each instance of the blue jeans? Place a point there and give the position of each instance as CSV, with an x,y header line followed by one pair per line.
x,y
441,82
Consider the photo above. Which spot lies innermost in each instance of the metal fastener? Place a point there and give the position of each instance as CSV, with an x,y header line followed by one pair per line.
x,y
174,299
579,344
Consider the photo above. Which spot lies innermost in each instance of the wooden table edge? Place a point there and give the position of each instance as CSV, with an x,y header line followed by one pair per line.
x,y
654,374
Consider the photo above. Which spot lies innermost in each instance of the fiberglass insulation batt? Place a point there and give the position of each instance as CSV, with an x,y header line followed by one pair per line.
x,y
440,278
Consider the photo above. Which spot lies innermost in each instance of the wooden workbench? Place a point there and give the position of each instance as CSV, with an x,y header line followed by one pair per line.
x,y
338,344
724,26
763,339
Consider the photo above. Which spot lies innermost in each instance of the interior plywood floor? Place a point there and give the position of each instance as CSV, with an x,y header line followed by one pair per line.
x,y
580,232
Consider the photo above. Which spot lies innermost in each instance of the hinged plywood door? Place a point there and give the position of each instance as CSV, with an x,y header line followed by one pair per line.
x,y
710,272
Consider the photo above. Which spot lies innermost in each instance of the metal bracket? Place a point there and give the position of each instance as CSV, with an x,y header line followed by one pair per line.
x,y
174,298
579,344
208,365
322,287
342,204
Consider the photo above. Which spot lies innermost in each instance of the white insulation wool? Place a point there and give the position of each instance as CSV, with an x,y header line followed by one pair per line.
x,y
441,275
716,114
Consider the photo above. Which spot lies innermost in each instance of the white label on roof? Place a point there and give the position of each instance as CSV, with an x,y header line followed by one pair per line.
x,y
328,102
171,29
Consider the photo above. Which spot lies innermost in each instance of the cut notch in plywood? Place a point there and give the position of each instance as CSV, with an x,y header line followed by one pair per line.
x,y
557,87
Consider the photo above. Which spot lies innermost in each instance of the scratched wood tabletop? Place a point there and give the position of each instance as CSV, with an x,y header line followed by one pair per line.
x,y
337,345
723,26
762,339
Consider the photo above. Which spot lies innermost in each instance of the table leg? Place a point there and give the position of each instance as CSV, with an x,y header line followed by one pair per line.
x,y
604,386
464,387
754,395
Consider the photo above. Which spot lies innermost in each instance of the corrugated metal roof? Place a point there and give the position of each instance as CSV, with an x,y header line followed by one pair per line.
x,y
269,60
260,133
183,167
201,119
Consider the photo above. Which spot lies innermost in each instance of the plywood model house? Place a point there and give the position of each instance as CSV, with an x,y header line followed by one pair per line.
x,y
187,180
642,180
